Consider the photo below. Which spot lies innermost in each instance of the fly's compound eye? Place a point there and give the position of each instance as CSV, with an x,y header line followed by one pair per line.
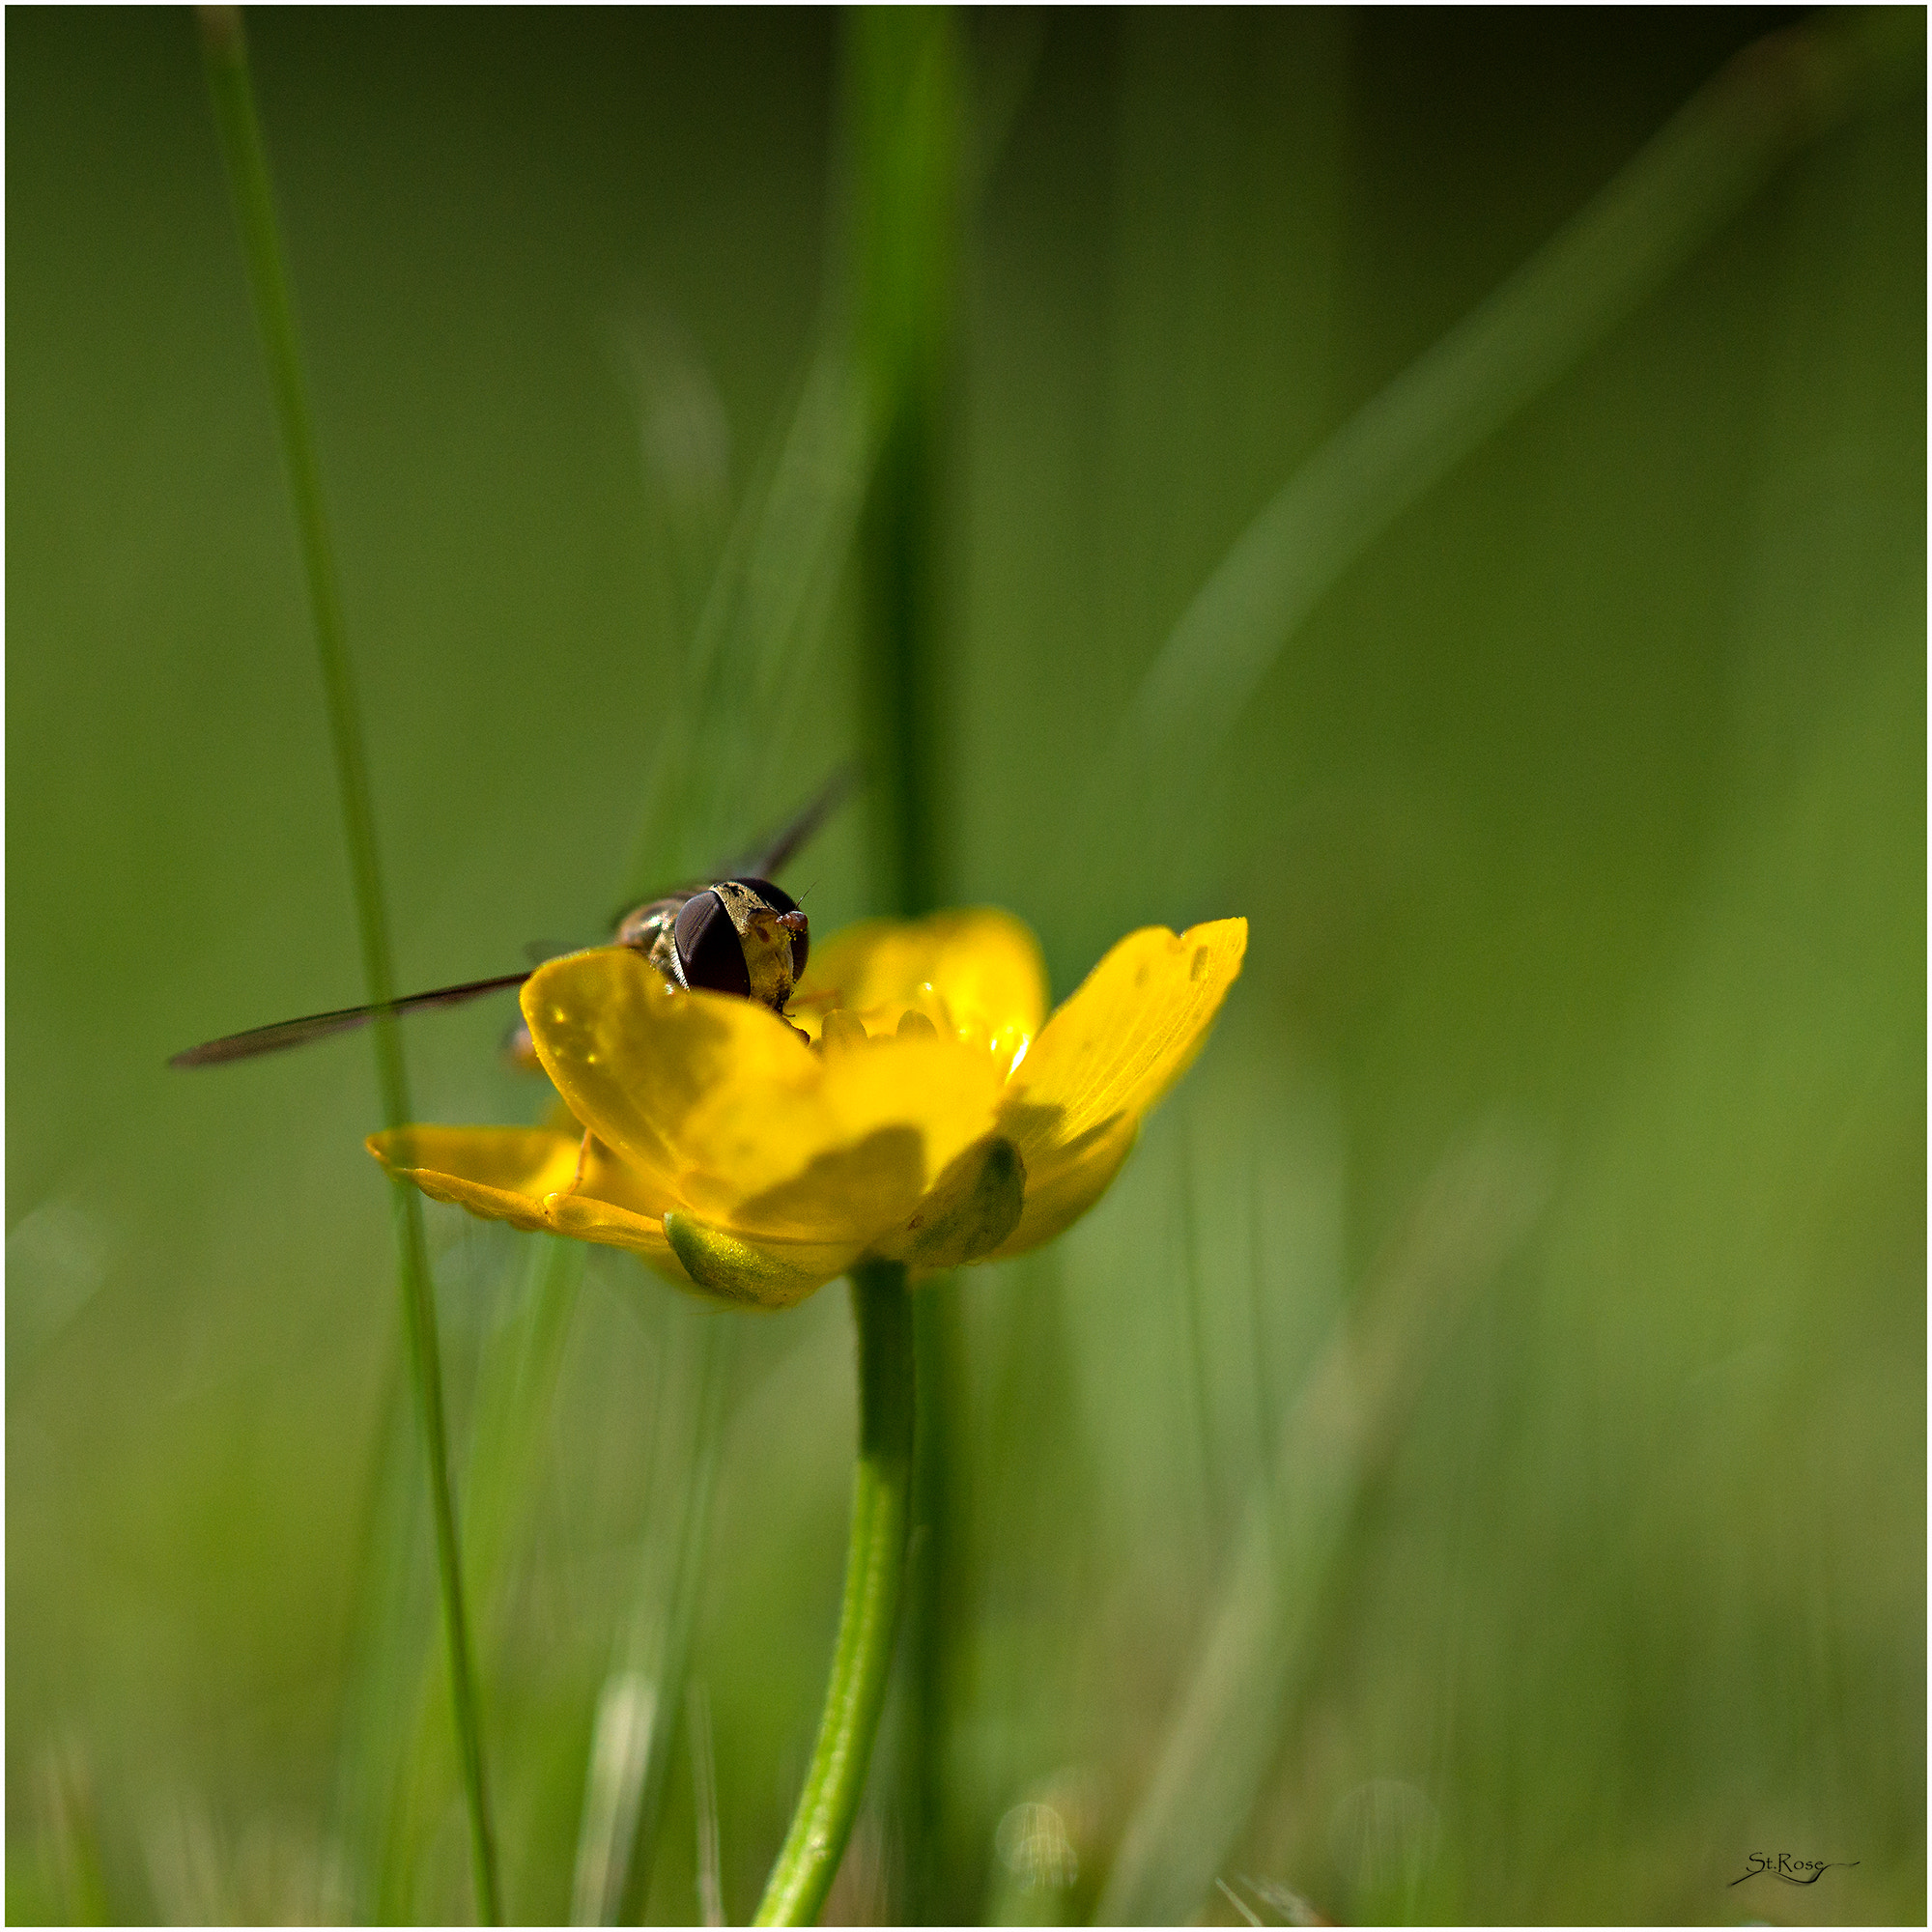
x,y
790,917
708,952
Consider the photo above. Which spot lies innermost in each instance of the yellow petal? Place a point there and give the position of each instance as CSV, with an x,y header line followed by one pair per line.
x,y
609,1202
717,1106
1075,1180
1129,1032
536,1179
979,970
844,1152
606,1176
500,1172
581,1009
585,1218
749,1273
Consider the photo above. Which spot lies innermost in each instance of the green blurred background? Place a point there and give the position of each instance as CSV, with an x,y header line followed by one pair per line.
x,y
1570,1110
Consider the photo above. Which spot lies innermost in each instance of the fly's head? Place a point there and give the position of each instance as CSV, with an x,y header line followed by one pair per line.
x,y
746,937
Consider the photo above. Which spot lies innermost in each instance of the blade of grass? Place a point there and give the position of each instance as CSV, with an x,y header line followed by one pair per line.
x,y
514,1384
631,1692
1226,1729
758,630
755,643
904,110
705,1794
662,1643
684,438
902,87
768,600
620,1742
74,1817
638,1703
1235,1900
226,58
759,637
1692,176
393,1735
393,1655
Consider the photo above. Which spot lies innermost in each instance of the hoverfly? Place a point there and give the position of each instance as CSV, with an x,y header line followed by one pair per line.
x,y
740,934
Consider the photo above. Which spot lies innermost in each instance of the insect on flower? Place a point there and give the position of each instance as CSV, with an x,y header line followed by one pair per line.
x,y
740,934
922,1105
925,1108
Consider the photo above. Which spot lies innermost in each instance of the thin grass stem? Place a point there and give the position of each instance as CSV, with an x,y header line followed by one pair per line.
x,y
664,1651
704,1799
225,51
1263,1633
868,1617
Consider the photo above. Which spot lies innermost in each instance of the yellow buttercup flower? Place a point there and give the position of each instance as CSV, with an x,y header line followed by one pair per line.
x,y
930,1114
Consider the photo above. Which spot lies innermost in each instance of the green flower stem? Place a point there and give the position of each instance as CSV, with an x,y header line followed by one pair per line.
x,y
227,61
874,1568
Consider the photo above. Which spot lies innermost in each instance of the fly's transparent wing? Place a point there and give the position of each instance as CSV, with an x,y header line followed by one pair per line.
x,y
318,1026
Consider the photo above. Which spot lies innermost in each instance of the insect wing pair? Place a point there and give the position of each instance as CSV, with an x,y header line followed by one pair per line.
x,y
741,934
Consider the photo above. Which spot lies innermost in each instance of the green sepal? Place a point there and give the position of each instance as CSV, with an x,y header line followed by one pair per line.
x,y
972,1206
745,1275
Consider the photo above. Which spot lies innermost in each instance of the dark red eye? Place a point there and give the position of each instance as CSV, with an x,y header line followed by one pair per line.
x,y
708,950
781,901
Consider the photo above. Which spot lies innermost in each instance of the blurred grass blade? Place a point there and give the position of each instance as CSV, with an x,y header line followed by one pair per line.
x,y
391,1661
704,1796
759,637
904,108
685,437
803,536
395,1745
758,633
638,1703
1226,1731
516,1381
720,771
1286,1903
664,1633
226,59
1235,1900
620,1743
1698,172
1007,50
72,1820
